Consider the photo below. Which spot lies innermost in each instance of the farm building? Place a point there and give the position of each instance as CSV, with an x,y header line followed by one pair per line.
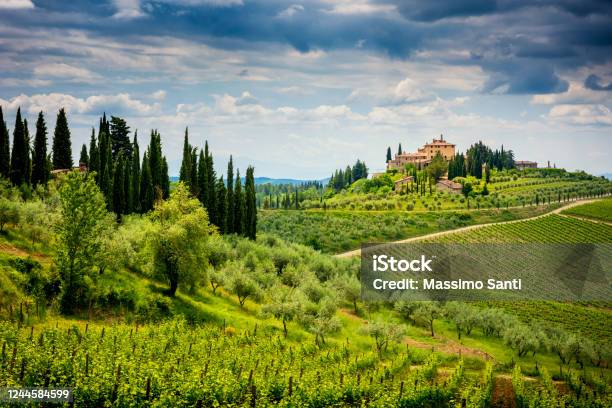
x,y
423,156
399,184
525,164
448,185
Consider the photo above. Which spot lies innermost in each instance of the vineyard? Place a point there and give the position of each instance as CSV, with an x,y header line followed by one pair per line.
x,y
598,210
174,364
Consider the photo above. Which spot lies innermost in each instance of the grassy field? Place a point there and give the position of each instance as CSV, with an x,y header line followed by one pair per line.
x,y
599,210
337,231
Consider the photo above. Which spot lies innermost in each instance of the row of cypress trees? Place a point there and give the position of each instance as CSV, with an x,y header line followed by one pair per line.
x,y
230,208
30,165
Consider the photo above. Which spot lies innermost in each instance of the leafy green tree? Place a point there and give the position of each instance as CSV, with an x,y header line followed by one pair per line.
x,y
179,240
9,213
407,310
466,189
5,150
243,286
120,137
521,339
82,211
84,157
62,146
383,333
437,168
285,305
250,204
40,168
428,313
20,153
230,197
350,288
221,206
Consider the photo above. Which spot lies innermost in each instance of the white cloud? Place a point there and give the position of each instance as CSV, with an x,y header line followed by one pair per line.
x,y
359,7
95,104
582,114
576,94
128,9
60,70
159,95
290,11
16,4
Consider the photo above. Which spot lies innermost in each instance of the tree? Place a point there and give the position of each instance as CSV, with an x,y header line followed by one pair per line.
x,y
179,240
406,310
250,204
438,167
389,158
239,211
230,196
147,192
9,213
165,179
21,153
522,339
120,137
185,172
155,161
243,286
350,288
104,151
284,306
383,333
221,206
212,179
135,175
194,172
40,168
399,149
107,173
5,150
202,179
94,154
62,146
428,312
82,211
119,201
84,157
466,189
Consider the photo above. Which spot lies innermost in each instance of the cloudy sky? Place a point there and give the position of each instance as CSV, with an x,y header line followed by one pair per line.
x,y
300,88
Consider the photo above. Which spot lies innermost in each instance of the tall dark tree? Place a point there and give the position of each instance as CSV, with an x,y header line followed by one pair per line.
x,y
165,179
250,202
185,172
103,150
119,185
62,146
239,211
212,178
120,137
135,175
147,192
94,154
194,171
389,154
202,179
20,152
28,157
106,182
40,168
84,157
128,187
230,196
221,205
5,150
155,161
399,149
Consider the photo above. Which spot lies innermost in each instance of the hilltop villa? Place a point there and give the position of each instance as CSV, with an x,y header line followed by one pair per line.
x,y
423,156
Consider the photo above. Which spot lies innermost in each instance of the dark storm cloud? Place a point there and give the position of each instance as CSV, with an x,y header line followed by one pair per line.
x,y
522,45
595,83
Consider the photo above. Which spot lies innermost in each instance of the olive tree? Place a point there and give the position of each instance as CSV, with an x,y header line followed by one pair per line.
x,y
285,304
9,212
428,312
383,333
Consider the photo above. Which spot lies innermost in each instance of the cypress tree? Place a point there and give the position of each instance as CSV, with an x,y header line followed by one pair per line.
x,y
62,146
389,154
128,190
28,158
250,204
399,149
202,179
230,196
212,178
94,154
238,206
165,179
155,163
5,150
147,194
194,172
107,177
135,175
221,206
103,150
84,158
185,172
40,172
19,160
119,133
118,186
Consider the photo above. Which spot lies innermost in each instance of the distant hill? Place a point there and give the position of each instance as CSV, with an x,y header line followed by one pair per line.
x,y
275,181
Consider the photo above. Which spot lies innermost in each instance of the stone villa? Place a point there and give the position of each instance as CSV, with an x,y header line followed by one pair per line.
x,y
423,156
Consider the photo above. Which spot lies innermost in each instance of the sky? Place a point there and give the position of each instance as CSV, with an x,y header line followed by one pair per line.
x,y
300,88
